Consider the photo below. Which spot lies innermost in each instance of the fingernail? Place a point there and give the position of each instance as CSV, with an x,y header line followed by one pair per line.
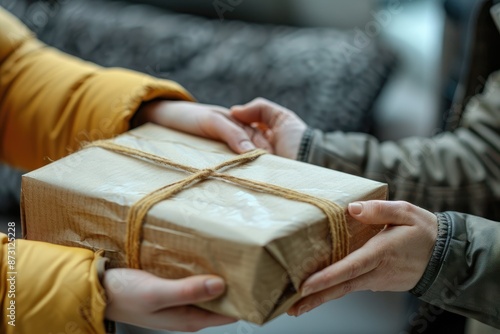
x,y
215,286
246,146
355,208
303,309
306,292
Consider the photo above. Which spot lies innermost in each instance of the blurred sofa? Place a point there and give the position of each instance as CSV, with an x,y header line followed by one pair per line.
x,y
323,74
314,71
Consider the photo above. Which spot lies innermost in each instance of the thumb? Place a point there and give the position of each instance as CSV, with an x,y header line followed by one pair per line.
x,y
190,290
382,212
259,110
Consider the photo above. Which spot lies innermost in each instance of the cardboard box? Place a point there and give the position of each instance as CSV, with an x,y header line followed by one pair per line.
x,y
265,246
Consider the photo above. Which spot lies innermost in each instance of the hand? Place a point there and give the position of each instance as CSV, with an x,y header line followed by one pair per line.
x,y
282,128
393,260
203,120
142,299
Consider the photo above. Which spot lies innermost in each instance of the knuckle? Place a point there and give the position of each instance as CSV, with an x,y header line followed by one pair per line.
x,y
393,212
322,299
219,127
354,269
324,276
191,292
405,206
319,300
372,209
386,258
215,117
376,208
260,100
404,213
347,287
207,123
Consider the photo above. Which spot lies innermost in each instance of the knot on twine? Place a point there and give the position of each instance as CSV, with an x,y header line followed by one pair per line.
x,y
206,173
138,211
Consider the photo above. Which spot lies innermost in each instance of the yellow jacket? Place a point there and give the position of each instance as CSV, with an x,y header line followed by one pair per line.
x,y
49,104
49,287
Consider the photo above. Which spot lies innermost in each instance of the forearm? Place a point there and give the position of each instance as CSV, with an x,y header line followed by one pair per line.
x,y
463,275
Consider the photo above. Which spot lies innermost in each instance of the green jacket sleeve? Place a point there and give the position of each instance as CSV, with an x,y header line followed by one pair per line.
x,y
463,275
457,170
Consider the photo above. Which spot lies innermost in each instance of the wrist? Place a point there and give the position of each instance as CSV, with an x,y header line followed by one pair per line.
x,y
146,112
436,259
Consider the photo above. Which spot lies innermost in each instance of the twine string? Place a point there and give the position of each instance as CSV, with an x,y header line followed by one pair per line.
x,y
335,214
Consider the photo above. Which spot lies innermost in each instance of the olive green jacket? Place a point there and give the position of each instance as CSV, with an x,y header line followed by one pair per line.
x,y
463,275
457,170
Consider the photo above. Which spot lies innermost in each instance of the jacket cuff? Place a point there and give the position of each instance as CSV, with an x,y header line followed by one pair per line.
x,y
434,265
305,145
102,264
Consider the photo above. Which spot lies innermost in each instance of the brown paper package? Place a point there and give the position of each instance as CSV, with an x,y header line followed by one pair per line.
x,y
264,246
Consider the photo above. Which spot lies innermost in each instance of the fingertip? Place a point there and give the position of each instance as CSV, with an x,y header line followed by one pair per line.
x,y
306,291
355,209
246,145
314,283
215,286
293,310
304,308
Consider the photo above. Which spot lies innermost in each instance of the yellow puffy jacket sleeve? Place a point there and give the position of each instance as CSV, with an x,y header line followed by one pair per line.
x,y
51,102
49,287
